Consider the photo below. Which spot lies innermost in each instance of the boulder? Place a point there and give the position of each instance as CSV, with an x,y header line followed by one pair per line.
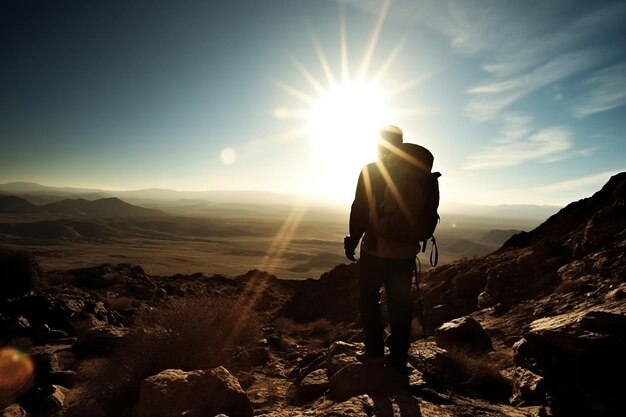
x,y
309,363
173,392
55,401
579,354
100,339
464,334
311,387
528,388
13,410
341,354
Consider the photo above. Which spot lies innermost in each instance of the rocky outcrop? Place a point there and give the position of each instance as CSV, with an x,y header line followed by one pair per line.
x,y
579,356
535,328
13,410
588,237
433,386
465,334
173,392
334,296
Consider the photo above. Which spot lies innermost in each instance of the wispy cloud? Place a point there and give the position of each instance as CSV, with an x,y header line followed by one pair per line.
x,y
491,98
542,47
540,37
605,90
594,181
546,145
515,126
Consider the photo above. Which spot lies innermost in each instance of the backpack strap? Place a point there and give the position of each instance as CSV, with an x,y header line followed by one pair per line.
x,y
420,308
433,250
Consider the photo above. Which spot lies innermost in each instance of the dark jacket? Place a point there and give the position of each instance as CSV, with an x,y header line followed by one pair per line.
x,y
370,189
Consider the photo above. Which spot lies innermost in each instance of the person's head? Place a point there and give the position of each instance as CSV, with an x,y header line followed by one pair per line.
x,y
391,137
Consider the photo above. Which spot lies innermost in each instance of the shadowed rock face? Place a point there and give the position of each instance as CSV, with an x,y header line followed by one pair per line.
x,y
586,237
582,225
561,286
333,296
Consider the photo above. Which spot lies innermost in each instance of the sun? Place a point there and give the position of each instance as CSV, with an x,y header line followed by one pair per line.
x,y
344,114
342,126
347,117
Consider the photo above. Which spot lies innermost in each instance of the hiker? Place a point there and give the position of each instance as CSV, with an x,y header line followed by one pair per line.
x,y
383,261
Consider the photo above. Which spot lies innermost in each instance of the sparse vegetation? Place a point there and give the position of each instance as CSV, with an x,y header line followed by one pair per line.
x,y
322,330
19,273
477,375
190,334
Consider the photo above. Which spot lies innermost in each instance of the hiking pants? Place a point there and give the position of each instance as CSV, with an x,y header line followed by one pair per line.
x,y
396,276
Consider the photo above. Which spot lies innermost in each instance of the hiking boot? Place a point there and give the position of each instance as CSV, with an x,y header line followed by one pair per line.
x,y
366,359
399,367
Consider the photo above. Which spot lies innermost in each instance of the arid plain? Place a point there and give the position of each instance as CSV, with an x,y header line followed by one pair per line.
x,y
289,240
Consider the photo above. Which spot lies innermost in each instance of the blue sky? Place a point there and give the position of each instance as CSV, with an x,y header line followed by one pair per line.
x,y
520,102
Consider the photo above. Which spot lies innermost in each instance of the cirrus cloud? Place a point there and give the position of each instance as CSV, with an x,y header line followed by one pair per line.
x,y
546,145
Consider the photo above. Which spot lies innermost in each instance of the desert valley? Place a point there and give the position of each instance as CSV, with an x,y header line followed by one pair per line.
x,y
219,232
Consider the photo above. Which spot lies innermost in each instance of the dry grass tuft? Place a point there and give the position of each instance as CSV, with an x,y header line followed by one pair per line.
x,y
477,375
322,331
190,334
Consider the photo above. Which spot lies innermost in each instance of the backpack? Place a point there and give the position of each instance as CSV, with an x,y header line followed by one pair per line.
x,y
408,209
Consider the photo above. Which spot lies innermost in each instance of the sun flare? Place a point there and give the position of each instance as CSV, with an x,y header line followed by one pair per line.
x,y
347,118
342,127
342,119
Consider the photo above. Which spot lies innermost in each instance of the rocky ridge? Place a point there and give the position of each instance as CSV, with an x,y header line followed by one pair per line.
x,y
536,328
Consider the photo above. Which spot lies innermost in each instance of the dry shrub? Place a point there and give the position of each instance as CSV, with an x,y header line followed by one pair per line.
x,y
477,375
190,334
19,273
321,330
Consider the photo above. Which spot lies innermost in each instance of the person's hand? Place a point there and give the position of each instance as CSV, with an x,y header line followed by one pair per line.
x,y
349,244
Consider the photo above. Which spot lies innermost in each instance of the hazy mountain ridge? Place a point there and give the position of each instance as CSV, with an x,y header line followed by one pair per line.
x,y
153,194
156,197
111,206
193,230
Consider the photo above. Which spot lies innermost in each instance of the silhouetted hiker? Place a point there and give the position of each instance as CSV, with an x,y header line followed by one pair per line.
x,y
385,261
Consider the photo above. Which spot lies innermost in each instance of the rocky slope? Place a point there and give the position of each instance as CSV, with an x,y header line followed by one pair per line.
x,y
536,328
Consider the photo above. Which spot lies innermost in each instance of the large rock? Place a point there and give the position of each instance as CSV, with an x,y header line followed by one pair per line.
x,y
100,339
311,387
199,393
341,354
13,410
464,334
55,401
528,389
334,296
579,354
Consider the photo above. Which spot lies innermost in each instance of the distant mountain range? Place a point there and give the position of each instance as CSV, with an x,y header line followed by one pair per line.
x,y
502,211
75,207
198,200
43,193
